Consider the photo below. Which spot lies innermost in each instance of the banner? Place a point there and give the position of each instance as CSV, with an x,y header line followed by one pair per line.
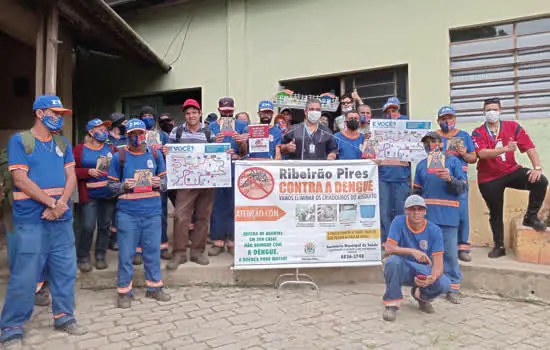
x,y
198,165
258,138
297,214
398,139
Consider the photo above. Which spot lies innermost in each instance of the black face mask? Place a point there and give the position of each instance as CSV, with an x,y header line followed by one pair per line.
x,y
120,127
352,124
166,126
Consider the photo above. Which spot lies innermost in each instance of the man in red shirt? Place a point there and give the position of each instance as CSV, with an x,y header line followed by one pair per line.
x,y
495,142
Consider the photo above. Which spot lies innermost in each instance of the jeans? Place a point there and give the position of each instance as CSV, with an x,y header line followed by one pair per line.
x,y
39,246
450,257
96,211
400,271
11,243
164,237
464,224
392,203
131,231
222,221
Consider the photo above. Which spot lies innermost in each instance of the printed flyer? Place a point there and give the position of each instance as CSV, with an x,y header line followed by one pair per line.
x,y
400,139
258,138
296,214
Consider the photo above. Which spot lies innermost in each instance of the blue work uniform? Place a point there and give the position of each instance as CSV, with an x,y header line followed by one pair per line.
x,y
401,270
138,220
394,188
275,138
222,222
443,210
349,147
464,225
118,141
39,244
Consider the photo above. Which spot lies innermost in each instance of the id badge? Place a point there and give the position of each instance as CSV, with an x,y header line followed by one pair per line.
x,y
311,148
503,155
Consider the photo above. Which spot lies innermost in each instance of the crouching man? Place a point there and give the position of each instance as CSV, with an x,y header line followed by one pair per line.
x,y
138,174
416,248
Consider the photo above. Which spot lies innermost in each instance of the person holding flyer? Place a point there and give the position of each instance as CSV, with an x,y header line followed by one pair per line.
x,y
138,212
415,246
441,183
265,113
458,143
349,139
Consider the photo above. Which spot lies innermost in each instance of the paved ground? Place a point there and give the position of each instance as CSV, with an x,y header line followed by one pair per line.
x,y
344,317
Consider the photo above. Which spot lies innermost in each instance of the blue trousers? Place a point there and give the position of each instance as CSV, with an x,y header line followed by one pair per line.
x,y
131,231
164,226
392,203
36,247
464,224
222,221
450,257
400,271
97,211
11,243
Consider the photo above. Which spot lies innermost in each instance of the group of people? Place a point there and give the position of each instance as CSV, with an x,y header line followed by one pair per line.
x,y
120,173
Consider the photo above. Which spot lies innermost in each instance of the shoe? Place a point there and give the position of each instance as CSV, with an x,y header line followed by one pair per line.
x,y
42,298
158,295
464,256
215,250
177,260
113,246
165,255
453,298
497,252
12,342
101,264
71,328
201,260
124,301
534,222
138,259
85,267
390,313
231,250
426,306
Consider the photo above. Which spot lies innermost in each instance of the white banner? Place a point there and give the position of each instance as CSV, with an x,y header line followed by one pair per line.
x,y
291,214
198,165
398,139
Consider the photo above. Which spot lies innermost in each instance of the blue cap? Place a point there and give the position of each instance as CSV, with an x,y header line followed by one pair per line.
x,y
432,135
265,106
97,122
135,124
446,110
392,102
50,102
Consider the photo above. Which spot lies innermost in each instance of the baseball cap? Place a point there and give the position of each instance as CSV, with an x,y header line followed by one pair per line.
x,y
190,103
146,110
97,122
446,110
392,102
285,109
50,102
431,135
117,117
226,104
165,116
415,200
265,106
135,124
212,117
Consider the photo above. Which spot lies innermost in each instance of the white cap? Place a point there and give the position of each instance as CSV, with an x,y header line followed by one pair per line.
x,y
415,200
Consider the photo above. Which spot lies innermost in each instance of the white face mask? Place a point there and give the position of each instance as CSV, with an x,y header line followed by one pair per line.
x,y
347,109
492,116
313,116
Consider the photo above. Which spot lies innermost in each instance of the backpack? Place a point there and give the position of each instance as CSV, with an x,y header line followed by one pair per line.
x,y
207,134
122,159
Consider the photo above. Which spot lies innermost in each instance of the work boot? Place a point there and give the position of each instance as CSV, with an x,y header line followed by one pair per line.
x,y
113,246
101,264
42,298
85,266
230,247
464,256
138,259
165,255
71,328
14,342
124,301
216,250
453,298
534,222
390,313
200,259
497,252
426,306
158,295
178,259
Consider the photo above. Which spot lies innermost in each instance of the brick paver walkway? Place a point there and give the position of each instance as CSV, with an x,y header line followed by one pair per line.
x,y
344,317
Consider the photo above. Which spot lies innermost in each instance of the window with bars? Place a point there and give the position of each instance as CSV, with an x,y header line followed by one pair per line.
x,y
510,61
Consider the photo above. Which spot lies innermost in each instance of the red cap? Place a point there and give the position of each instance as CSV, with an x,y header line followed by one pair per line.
x,y
190,103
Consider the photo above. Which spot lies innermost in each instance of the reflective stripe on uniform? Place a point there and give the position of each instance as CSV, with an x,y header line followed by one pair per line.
x,y
17,196
134,196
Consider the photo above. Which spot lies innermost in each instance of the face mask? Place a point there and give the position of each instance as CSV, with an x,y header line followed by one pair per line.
x,y
166,126
447,125
363,118
121,128
282,127
101,136
324,123
149,122
395,115
352,124
492,116
346,109
52,123
313,116
431,147
136,140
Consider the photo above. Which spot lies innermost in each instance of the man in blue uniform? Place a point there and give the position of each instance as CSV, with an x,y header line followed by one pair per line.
x,y
395,182
458,143
265,113
139,212
350,139
416,248
441,188
42,168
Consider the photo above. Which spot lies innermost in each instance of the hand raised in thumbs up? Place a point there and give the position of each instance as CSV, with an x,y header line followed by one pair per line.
x,y
291,147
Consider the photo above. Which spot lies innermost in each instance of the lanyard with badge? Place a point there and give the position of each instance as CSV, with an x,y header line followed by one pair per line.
x,y
311,140
497,139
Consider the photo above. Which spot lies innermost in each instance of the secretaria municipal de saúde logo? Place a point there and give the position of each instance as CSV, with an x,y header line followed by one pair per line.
x,y
423,244
309,248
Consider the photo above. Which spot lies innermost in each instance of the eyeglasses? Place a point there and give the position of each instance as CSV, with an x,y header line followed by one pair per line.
x,y
347,102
